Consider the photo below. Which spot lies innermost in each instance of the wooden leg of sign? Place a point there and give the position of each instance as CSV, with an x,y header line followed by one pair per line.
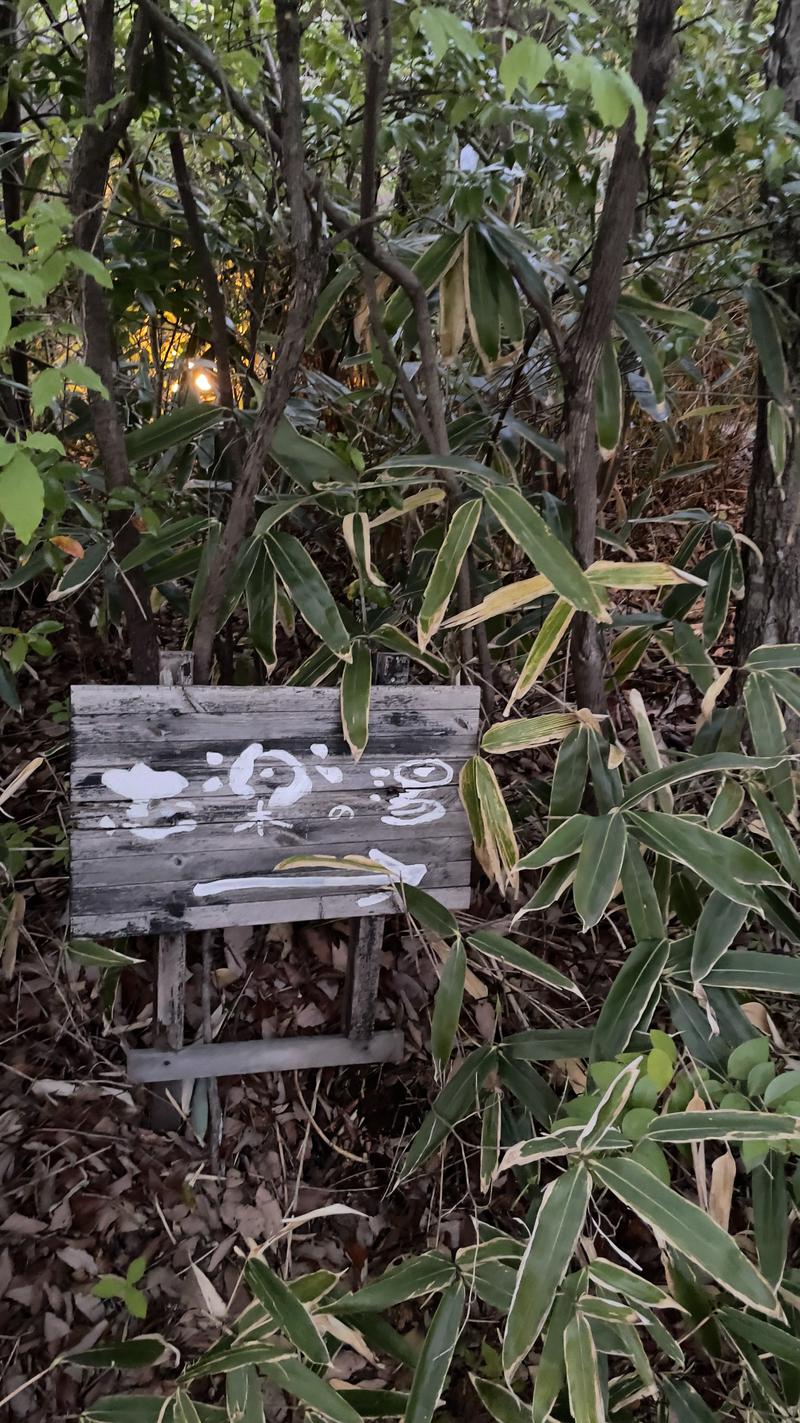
x,y
366,935
175,670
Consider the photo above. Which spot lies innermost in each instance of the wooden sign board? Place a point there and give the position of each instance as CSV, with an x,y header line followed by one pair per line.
x,y
185,799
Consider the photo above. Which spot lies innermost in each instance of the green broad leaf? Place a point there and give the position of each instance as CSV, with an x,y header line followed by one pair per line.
x,y
747,1055
548,555
92,267
309,592
429,912
689,1229
329,299
727,865
633,1287
754,972
457,1100
490,823
508,736
447,1004
80,572
429,269
639,341
419,1276
308,462
768,342
692,768
549,1378
392,638
555,883
145,1408
781,1088
726,806
262,607
93,955
569,777
483,297
171,533
690,654
662,315
531,1090
503,950
524,66
22,496
545,1262
778,434
767,1338
140,1353
782,838
718,595
641,899
243,1396
301,1382
5,317
8,688
722,1125
719,923
292,1317
686,1406
490,1139
184,1410
168,431
628,997
500,1403
375,1402
769,735
560,844
774,659
550,635
583,1372
437,1352
771,1216
444,574
356,532
599,866
608,402
356,689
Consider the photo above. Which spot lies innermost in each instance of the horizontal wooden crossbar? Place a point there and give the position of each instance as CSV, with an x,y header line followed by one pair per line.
x,y
262,1055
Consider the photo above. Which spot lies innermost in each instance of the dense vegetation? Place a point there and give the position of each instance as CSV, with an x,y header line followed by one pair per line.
x,y
460,332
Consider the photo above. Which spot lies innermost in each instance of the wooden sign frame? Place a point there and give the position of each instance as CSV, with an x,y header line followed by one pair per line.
x,y
185,799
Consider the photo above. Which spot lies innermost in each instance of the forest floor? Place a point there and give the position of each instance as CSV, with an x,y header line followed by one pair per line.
x,y
86,1187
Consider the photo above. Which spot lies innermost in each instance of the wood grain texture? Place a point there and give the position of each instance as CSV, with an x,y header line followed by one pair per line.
x,y
267,1055
185,800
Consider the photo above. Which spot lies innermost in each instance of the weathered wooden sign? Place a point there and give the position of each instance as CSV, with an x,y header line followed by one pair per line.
x,y
186,799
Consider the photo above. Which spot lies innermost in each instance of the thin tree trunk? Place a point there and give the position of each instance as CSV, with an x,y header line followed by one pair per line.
x,y
88,180
17,400
770,610
652,59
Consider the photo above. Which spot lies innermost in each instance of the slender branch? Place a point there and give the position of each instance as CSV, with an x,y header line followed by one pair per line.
x,y
309,269
652,59
88,181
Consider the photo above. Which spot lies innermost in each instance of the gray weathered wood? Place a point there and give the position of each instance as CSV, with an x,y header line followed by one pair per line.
x,y
262,1055
215,842
176,669
366,935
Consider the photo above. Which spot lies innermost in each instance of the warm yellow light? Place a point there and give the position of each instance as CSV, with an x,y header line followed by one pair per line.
x,y
202,381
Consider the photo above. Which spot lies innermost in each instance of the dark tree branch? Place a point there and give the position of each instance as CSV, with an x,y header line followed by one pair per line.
x,y
309,269
88,180
652,59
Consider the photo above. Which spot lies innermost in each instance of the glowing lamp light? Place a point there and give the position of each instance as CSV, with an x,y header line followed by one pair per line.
x,y
203,381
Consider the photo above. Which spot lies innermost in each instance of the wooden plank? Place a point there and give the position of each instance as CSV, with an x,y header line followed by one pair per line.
x,y
366,935
112,700
185,800
262,1055
109,921
175,669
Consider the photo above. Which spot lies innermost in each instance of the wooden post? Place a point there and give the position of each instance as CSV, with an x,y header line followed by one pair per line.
x,y
176,669
366,935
